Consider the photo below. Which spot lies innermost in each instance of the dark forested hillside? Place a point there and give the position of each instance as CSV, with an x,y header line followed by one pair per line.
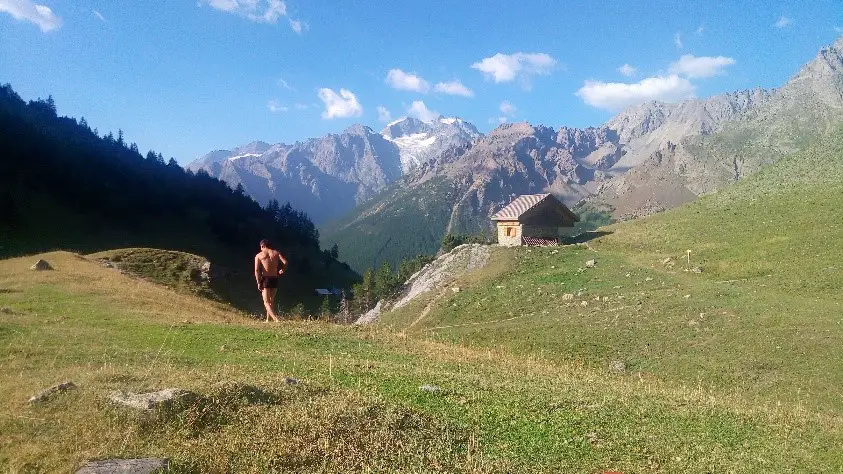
x,y
62,186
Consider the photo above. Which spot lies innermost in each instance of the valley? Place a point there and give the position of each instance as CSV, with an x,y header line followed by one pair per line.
x,y
648,158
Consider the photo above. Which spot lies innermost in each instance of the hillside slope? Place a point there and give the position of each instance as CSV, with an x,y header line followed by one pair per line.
x,y
62,186
756,310
786,120
311,397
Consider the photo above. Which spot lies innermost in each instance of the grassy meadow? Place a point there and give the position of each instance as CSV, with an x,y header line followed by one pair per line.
x,y
357,407
639,364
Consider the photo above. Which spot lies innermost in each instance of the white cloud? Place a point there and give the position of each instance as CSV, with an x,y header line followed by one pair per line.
x,y
421,112
838,29
700,30
99,15
285,84
298,26
301,106
398,79
627,70
258,11
616,96
276,107
677,39
453,88
705,66
508,67
40,15
783,22
507,108
383,114
340,105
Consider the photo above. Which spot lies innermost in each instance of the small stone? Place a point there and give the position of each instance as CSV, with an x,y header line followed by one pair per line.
x,y
107,264
41,265
648,279
617,366
567,297
291,381
125,466
687,296
554,252
430,388
667,261
455,289
150,400
591,263
584,303
697,270
46,393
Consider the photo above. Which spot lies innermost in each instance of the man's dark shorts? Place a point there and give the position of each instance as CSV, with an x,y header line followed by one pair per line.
x,y
269,282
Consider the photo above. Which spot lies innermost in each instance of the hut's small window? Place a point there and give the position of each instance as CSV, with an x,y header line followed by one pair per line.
x,y
510,231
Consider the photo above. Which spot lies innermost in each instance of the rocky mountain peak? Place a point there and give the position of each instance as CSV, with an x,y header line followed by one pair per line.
x,y
358,129
405,126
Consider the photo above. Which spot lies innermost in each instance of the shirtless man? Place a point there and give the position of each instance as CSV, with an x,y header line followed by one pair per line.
x,y
269,264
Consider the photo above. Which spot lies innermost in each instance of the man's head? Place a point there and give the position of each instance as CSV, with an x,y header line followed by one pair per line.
x,y
265,244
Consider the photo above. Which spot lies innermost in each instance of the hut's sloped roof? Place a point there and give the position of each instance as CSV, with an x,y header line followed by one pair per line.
x,y
518,207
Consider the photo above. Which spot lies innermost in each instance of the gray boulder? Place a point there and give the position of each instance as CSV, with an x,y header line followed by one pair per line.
x,y
41,265
150,400
43,395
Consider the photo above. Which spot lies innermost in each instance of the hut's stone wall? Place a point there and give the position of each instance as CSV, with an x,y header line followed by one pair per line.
x,y
509,233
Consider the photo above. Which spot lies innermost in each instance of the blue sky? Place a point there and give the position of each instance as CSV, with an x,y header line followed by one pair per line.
x,y
187,77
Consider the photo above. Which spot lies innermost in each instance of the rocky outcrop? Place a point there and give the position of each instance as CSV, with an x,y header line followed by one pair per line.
x,y
435,276
41,265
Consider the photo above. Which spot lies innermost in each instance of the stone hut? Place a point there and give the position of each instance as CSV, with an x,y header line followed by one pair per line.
x,y
533,219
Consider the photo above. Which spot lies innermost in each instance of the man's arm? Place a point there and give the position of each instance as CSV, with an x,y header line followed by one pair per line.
x,y
283,267
258,270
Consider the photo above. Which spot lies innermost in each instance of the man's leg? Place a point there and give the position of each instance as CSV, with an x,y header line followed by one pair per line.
x,y
272,303
268,302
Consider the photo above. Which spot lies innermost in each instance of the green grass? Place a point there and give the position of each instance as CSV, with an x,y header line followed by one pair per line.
x,y
763,319
177,270
358,407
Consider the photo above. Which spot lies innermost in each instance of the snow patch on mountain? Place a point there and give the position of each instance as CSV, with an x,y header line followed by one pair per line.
x,y
419,142
244,155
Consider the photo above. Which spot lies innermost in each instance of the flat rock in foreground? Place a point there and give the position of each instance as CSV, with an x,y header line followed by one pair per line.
x,y
47,393
124,466
150,400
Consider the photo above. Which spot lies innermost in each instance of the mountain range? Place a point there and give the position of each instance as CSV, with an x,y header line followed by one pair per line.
x,y
329,176
365,187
